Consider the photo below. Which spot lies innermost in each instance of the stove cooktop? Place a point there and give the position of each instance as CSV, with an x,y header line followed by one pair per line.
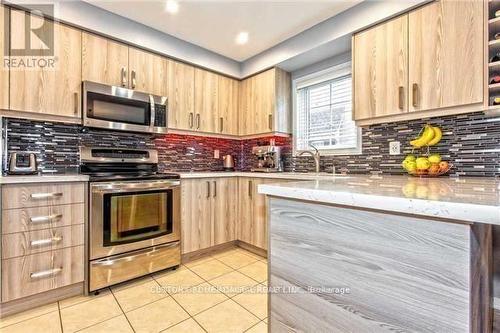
x,y
100,177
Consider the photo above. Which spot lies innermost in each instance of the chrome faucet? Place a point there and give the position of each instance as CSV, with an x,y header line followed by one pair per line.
x,y
315,155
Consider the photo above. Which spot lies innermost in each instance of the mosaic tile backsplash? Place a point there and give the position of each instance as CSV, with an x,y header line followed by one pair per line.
x,y
471,142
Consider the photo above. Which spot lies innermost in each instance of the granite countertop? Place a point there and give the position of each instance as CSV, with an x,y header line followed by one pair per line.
x,y
49,178
464,199
271,175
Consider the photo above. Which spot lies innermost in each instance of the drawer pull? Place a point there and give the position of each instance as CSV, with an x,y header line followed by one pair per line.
x,y
48,241
130,257
45,219
47,273
39,196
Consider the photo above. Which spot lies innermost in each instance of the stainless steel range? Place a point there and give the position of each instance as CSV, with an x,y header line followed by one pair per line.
x,y
134,215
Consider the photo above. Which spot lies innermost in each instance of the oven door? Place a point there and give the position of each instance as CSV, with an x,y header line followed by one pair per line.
x,y
127,216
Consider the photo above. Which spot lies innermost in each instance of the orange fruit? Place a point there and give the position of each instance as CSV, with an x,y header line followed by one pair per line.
x,y
443,166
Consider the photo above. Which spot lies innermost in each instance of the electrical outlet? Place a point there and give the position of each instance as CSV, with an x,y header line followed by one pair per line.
x,y
216,153
394,148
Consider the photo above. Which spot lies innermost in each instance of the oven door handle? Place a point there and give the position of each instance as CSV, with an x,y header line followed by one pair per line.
x,y
133,187
150,252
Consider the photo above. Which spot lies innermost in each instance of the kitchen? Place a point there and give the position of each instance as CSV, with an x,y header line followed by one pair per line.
x,y
323,166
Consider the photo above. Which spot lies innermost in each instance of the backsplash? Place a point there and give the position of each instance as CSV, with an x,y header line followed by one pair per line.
x,y
471,142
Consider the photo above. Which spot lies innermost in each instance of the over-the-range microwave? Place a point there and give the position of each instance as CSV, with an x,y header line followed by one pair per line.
x,y
123,109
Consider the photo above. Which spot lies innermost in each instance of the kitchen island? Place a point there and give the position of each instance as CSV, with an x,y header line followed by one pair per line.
x,y
376,254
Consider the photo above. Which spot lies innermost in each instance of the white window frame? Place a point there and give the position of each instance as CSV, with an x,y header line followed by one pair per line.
x,y
312,79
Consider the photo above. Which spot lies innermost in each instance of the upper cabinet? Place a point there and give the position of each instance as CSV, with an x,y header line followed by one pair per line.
x,y
431,59
180,95
446,49
206,98
53,90
381,69
4,72
228,106
104,61
148,72
264,103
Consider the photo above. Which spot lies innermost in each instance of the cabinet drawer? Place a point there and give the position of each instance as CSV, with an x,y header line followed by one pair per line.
x,y
36,195
28,275
30,242
37,218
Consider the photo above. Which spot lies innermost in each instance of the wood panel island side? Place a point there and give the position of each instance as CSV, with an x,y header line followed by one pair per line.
x,y
365,254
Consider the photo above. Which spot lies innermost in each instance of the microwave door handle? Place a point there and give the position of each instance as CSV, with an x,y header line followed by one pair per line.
x,y
152,110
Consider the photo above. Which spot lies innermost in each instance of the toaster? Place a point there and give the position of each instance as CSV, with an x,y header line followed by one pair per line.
x,y
22,164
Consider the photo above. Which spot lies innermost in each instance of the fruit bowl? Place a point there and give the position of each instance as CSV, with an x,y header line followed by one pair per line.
x,y
426,174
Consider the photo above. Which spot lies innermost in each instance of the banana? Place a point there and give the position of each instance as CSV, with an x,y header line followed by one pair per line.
x,y
438,134
425,138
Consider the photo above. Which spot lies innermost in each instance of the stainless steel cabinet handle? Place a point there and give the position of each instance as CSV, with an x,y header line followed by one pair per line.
x,y
221,124
45,219
401,92
208,190
215,189
47,273
250,185
270,119
77,102
198,121
132,77
124,77
191,119
48,241
415,97
38,196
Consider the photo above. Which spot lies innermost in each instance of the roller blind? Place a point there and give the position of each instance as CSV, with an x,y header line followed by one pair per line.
x,y
324,116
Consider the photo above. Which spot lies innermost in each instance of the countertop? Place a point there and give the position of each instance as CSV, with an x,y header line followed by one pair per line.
x,y
51,178
464,199
270,175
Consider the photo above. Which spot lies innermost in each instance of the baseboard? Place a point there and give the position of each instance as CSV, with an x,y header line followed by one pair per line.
x,y
33,301
252,248
191,256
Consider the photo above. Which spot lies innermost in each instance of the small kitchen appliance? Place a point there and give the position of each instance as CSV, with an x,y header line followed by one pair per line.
x,y
22,163
268,159
134,215
228,162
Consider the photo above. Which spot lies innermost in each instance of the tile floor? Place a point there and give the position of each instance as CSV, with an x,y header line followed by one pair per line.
x,y
220,293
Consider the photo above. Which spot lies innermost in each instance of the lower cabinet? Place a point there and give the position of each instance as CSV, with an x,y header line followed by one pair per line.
x,y
209,212
253,217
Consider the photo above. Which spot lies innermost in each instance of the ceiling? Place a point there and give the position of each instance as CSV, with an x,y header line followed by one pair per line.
x,y
214,24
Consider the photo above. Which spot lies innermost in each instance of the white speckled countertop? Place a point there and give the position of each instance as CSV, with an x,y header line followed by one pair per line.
x,y
52,178
464,199
272,175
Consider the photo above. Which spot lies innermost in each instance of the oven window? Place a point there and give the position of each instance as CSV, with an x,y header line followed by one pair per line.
x,y
118,109
138,216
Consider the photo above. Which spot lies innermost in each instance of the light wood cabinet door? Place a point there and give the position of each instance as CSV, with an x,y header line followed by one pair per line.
x,y
259,224
245,107
264,95
446,54
228,106
205,100
245,212
225,205
104,61
380,56
180,95
48,89
148,72
4,71
196,201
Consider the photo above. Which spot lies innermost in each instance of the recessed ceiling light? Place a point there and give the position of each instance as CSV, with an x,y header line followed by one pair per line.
x,y
172,6
242,38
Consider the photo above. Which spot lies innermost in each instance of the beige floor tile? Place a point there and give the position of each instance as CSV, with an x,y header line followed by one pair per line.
x,y
257,271
226,317
251,254
226,252
199,298
89,313
116,325
254,300
156,316
25,315
138,295
233,283
265,283
132,283
187,326
265,320
47,323
237,260
259,328
82,298
175,281
198,261
211,269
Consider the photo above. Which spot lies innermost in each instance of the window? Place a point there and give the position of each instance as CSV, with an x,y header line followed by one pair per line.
x,y
323,113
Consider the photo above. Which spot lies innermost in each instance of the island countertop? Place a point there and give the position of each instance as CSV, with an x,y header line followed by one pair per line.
x,y
464,199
